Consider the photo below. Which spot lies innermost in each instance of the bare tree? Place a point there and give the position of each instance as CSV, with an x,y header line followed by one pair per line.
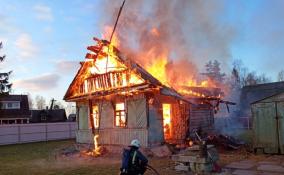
x,y
244,77
70,108
263,79
40,102
30,99
58,105
280,76
251,79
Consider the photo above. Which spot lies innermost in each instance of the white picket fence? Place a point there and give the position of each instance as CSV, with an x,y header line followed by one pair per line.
x,y
36,132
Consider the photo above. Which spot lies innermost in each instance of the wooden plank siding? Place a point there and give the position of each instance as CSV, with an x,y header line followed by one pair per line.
x,y
109,134
136,113
155,129
106,115
201,117
119,136
144,120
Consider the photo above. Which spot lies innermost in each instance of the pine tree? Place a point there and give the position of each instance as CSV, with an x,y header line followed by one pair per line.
x,y
5,86
213,72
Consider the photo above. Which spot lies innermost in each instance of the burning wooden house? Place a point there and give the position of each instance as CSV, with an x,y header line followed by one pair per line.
x,y
118,100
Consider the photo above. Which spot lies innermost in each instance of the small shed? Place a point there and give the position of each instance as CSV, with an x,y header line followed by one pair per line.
x,y
268,124
253,93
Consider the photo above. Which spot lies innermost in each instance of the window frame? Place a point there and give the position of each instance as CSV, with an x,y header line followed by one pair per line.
x,y
10,105
120,116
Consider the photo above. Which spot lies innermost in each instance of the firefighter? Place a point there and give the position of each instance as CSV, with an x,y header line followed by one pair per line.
x,y
133,161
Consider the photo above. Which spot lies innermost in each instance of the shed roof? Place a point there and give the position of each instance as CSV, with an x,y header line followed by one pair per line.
x,y
254,93
273,98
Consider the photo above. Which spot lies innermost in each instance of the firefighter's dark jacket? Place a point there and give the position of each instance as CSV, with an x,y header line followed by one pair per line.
x,y
128,159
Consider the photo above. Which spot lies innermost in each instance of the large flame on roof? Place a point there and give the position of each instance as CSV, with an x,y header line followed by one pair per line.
x,y
175,73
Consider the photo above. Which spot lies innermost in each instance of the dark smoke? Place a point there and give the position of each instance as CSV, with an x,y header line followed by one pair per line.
x,y
181,29
188,32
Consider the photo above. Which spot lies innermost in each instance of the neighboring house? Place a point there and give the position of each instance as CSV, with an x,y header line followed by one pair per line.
x,y
117,100
43,116
14,109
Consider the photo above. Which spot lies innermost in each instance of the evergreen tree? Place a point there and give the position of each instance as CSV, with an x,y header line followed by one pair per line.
x,y
5,86
213,72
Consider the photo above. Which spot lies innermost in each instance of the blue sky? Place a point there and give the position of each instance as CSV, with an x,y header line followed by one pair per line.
x,y
45,40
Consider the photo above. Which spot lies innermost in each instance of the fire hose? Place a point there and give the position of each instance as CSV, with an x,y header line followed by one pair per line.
x,y
149,167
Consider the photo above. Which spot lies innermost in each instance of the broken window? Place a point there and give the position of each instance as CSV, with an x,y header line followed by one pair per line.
x,y
120,115
95,113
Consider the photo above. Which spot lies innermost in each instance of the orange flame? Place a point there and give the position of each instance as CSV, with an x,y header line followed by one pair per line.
x,y
157,65
96,151
176,74
107,33
161,68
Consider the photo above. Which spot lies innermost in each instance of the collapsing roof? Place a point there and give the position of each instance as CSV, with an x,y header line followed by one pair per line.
x,y
107,71
108,80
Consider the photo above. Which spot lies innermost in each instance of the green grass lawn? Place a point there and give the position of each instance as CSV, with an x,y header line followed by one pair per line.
x,y
42,158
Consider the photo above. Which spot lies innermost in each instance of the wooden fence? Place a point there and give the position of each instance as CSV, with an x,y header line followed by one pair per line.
x,y
36,132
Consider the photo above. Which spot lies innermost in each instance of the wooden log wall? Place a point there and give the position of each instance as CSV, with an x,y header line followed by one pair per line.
x,y
180,117
201,116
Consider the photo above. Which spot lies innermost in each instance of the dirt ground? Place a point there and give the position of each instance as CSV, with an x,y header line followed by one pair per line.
x,y
46,158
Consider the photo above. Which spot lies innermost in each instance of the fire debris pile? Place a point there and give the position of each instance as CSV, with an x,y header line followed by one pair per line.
x,y
225,141
200,158
221,141
201,155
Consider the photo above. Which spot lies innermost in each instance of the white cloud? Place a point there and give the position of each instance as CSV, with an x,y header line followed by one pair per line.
x,y
25,46
65,66
43,12
6,24
38,83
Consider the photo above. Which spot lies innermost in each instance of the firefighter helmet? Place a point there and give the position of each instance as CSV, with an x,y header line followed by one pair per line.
x,y
135,143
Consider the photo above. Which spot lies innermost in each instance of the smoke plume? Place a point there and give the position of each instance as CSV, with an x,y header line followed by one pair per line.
x,y
183,31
